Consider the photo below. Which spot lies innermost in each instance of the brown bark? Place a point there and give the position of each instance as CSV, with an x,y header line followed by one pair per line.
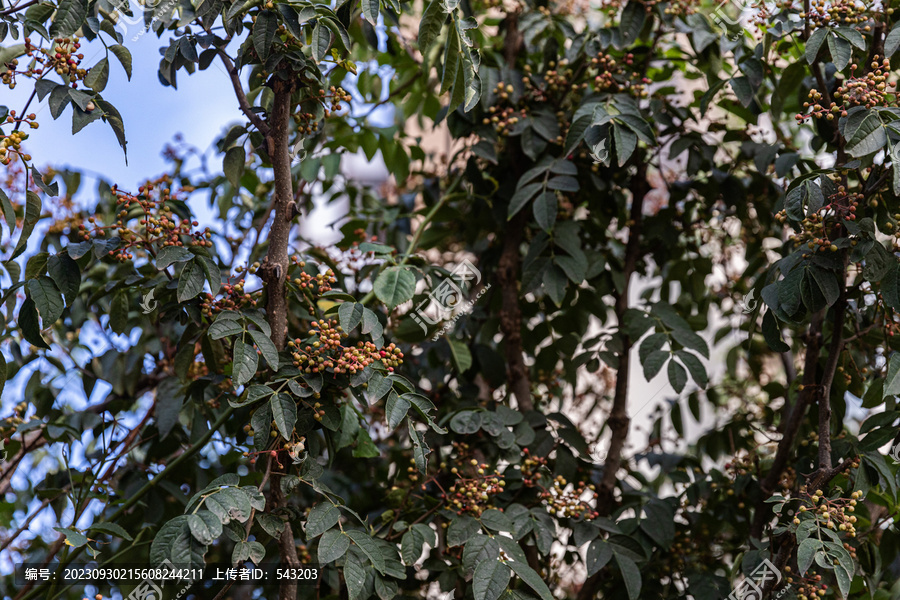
x,y
511,315
275,265
619,420
274,273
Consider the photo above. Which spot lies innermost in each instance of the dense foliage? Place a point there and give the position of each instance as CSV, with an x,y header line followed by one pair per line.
x,y
624,180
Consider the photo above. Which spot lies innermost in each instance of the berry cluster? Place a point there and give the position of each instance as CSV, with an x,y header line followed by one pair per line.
x,y
830,513
678,8
328,353
473,494
842,206
565,501
870,90
321,281
531,468
8,425
63,58
837,13
503,119
154,223
11,145
809,587
234,297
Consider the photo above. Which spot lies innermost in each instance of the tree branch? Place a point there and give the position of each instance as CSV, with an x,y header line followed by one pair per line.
x,y
239,92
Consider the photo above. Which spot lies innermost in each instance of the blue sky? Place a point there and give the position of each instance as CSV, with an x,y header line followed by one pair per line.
x,y
201,108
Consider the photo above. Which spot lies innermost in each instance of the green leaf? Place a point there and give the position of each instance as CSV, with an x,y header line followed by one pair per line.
x,y
395,285
545,209
271,524
632,22
322,517
9,213
233,164
411,546
169,255
892,381
284,412
631,574
33,209
112,529
368,546
420,449
98,76
246,362
322,37
430,26
806,552
460,355
531,577
266,347
395,409
677,376
122,53
349,427
225,327
452,62
190,282
73,538
653,363
354,577
47,298
523,195
480,549
841,51
370,10
30,325
869,137
212,272
365,448
490,580
332,546
892,41
169,400
814,44
205,526
461,529
65,273
350,315
660,522
264,31
695,367
69,17
598,555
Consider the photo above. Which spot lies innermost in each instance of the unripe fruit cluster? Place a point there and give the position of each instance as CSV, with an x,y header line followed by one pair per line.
x,y
473,494
63,58
11,145
234,297
836,13
156,225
